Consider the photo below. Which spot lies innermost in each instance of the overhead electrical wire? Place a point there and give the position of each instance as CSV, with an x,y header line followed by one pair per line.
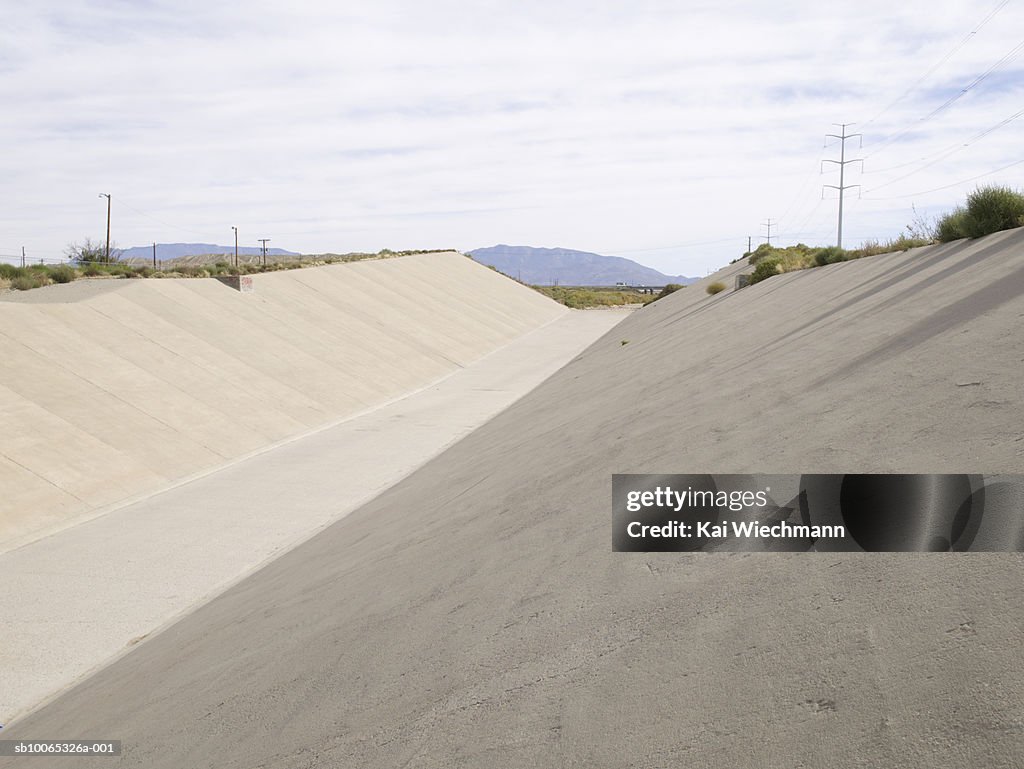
x,y
677,245
121,201
1011,54
801,192
939,63
950,151
949,186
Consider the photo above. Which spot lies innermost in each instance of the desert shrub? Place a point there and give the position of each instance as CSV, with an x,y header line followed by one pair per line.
x,y
92,252
29,281
92,271
830,255
903,242
765,269
761,252
9,271
922,227
907,242
580,298
63,274
715,288
869,247
670,288
992,209
952,226
988,209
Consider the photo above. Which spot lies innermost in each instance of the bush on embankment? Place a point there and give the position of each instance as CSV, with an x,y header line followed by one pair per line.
x,y
988,209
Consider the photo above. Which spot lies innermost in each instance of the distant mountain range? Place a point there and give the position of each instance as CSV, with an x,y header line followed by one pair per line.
x,y
166,251
565,267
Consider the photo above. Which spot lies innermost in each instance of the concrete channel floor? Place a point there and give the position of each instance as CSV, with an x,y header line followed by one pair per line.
x,y
74,601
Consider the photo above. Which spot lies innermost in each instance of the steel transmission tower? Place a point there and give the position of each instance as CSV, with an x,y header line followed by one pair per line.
x,y
843,136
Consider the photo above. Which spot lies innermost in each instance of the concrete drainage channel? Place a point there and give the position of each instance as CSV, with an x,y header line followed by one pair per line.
x,y
78,599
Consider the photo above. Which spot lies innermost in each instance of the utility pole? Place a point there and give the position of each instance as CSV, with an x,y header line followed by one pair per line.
x,y
842,136
22,256
768,224
107,256
236,246
154,256
264,241
749,247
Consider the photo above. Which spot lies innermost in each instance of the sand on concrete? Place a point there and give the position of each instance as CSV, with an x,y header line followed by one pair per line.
x,y
113,389
474,615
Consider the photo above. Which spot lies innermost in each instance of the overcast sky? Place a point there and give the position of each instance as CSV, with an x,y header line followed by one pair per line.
x,y
666,132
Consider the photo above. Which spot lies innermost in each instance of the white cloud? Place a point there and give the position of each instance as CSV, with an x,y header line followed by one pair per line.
x,y
608,126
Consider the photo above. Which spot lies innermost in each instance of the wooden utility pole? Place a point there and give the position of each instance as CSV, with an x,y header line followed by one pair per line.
x,y
264,241
107,252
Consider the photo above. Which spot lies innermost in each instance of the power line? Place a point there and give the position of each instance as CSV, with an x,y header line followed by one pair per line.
x,y
1015,51
941,61
950,151
948,186
677,245
803,187
161,221
800,227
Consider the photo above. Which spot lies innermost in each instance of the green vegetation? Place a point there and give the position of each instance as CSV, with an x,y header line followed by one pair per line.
x,y
81,266
89,252
767,267
715,288
28,281
581,298
599,296
772,260
670,288
63,274
952,226
988,209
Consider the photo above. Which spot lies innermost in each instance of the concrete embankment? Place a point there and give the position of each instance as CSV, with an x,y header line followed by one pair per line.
x,y
474,614
111,390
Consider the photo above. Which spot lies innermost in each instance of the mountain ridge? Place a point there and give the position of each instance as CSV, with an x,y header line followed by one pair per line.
x,y
175,250
566,266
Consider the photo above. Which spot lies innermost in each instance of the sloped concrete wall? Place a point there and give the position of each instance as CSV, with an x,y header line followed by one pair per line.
x,y
496,627
114,389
